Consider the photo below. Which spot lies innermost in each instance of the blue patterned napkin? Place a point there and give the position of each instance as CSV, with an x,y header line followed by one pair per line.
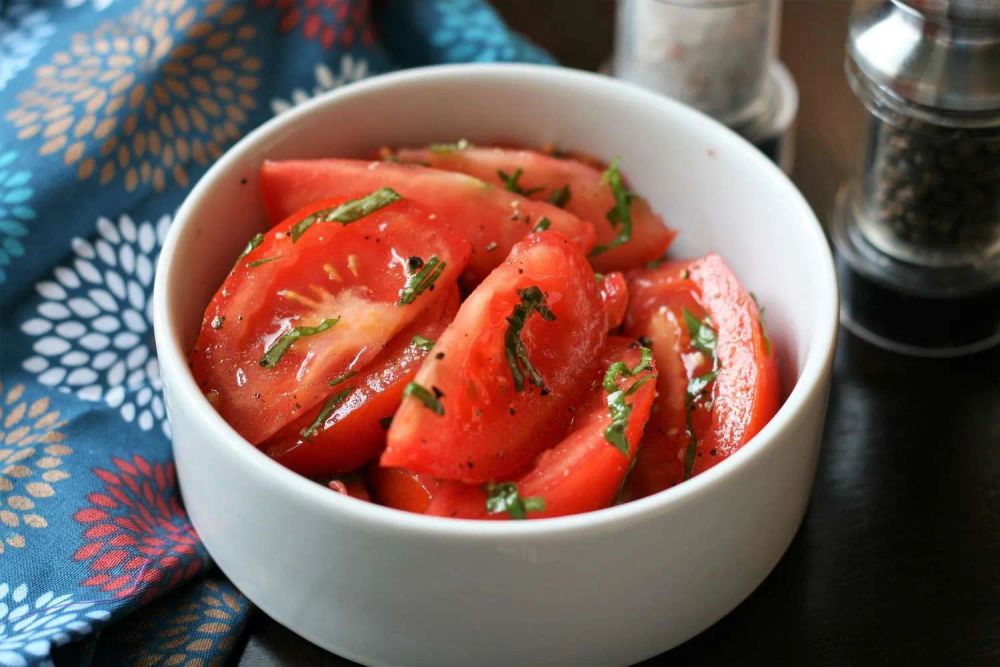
x,y
109,111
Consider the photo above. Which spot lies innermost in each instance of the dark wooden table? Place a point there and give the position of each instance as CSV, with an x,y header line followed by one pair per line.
x,y
898,560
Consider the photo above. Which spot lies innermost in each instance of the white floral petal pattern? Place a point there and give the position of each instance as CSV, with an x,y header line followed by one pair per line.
x,y
24,31
351,70
32,625
93,329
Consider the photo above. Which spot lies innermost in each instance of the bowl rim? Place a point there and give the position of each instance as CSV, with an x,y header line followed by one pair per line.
x,y
821,344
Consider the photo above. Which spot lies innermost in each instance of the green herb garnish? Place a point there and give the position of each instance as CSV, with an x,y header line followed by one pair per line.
x,y
328,409
532,301
542,224
510,183
701,332
620,368
763,331
560,196
426,397
504,497
422,343
620,215
251,244
614,434
346,213
257,262
459,145
278,348
422,280
697,385
340,378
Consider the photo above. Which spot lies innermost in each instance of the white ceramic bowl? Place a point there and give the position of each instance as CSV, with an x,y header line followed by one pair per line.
x,y
385,587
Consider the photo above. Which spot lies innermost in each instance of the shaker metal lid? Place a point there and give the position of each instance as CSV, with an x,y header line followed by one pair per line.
x,y
943,54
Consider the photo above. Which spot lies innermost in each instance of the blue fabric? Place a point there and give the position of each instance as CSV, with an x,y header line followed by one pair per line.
x,y
109,111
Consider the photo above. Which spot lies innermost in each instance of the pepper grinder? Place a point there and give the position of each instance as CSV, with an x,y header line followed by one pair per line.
x,y
917,231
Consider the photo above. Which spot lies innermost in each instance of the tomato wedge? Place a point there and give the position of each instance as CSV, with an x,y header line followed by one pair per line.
x,y
306,304
505,377
614,294
347,431
580,188
492,219
718,379
581,473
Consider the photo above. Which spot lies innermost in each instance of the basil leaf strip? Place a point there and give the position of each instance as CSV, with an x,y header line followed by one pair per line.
x,y
510,182
504,497
346,213
422,280
328,409
422,343
426,397
620,215
278,348
532,301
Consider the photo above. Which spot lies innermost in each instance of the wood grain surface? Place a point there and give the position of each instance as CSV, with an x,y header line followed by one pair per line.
x,y
898,559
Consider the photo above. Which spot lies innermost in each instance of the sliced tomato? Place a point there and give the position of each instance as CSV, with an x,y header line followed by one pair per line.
x,y
688,434
338,285
614,294
544,177
402,489
478,424
354,432
492,219
584,471
355,488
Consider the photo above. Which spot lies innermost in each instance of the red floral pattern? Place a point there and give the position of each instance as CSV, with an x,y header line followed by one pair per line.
x,y
329,22
138,539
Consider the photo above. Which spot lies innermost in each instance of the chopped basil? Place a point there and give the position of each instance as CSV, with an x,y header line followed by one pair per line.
x,y
692,448
257,262
346,213
429,400
459,145
328,408
218,321
340,378
504,497
697,385
278,348
614,434
532,301
251,244
422,343
620,215
763,331
619,368
560,196
542,224
598,277
422,280
510,182
701,332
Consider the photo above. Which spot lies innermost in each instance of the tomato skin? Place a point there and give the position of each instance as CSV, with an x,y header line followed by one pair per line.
x,y
355,272
402,489
353,434
614,294
580,473
489,429
492,219
590,196
743,397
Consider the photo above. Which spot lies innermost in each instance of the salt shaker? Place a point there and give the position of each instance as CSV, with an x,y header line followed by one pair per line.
x,y
715,55
917,233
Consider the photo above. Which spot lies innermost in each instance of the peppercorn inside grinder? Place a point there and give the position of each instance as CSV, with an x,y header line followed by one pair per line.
x,y
917,233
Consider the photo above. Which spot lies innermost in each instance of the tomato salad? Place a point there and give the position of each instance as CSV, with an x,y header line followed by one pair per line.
x,y
483,333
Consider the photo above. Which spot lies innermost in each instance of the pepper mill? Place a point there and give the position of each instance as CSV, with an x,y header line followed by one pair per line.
x,y
917,232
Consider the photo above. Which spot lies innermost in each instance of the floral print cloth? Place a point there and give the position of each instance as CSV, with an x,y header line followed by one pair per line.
x,y
109,111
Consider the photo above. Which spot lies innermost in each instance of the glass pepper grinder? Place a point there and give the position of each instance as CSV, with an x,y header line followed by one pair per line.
x,y
917,233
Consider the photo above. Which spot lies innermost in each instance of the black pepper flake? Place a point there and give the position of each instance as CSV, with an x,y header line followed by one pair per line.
x,y
439,355
714,452
544,391
415,263
437,392
513,411
243,181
